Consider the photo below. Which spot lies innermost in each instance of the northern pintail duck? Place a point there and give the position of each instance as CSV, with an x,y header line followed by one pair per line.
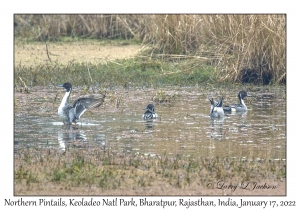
x,y
216,109
241,107
70,113
150,112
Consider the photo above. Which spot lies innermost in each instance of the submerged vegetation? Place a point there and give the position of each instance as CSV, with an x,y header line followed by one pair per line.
x,y
235,48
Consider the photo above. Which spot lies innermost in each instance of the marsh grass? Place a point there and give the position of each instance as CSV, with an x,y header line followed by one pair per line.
x,y
245,48
242,48
54,27
108,170
122,73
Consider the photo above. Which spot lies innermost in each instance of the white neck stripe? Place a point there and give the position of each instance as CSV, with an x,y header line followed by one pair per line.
x,y
65,100
242,102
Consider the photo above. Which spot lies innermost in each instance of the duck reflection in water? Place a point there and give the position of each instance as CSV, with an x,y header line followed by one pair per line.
x,y
71,136
149,124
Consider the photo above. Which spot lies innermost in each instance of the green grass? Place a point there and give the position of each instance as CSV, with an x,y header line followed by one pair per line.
x,y
125,73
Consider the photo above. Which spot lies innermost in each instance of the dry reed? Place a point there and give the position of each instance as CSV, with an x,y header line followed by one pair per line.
x,y
244,48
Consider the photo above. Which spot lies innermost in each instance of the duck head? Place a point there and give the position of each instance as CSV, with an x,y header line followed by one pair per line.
x,y
149,107
67,86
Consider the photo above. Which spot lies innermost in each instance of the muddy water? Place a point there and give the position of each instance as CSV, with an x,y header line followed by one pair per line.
x,y
183,127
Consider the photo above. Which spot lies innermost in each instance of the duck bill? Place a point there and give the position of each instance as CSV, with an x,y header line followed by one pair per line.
x,y
60,85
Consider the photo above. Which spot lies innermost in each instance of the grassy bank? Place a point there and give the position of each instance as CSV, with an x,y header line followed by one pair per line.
x,y
241,48
111,173
124,73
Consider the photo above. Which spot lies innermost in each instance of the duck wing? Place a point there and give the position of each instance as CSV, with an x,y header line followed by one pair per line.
x,y
85,102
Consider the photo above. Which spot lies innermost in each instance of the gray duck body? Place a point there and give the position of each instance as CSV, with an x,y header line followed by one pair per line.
x,y
241,107
150,112
71,113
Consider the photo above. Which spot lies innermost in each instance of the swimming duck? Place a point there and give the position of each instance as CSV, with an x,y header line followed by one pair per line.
x,y
212,105
70,114
150,112
216,109
241,107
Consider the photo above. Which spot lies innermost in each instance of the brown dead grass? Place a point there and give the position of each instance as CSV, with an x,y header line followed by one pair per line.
x,y
35,53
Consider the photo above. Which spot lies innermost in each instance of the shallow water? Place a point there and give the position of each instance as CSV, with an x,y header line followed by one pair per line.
x,y
183,128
